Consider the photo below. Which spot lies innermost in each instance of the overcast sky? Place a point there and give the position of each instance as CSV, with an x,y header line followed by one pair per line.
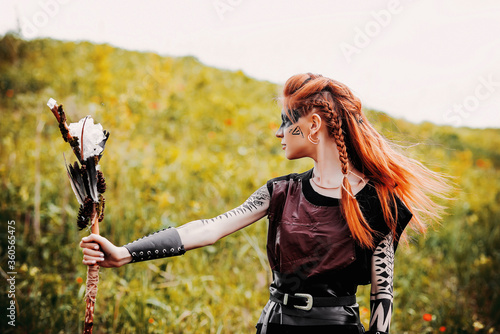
x,y
434,60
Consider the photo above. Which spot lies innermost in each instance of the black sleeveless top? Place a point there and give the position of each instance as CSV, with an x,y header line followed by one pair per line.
x,y
308,237
309,245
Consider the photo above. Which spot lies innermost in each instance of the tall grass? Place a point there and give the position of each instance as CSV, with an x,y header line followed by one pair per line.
x,y
189,142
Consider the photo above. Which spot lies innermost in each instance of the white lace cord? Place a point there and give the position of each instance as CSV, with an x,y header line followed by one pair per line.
x,y
359,177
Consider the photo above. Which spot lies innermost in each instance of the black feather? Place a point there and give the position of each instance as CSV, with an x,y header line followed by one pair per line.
x,y
103,143
76,185
92,178
76,174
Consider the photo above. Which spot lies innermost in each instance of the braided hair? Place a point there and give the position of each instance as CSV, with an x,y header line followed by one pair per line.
x,y
358,143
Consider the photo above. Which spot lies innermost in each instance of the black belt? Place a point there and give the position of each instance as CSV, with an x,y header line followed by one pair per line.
x,y
304,301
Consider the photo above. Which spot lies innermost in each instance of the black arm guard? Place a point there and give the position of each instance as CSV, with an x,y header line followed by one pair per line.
x,y
164,243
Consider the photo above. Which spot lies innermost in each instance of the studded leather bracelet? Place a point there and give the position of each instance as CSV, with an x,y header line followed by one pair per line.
x,y
164,243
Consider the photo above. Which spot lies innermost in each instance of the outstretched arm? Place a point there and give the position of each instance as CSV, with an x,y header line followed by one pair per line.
x,y
192,235
206,232
381,297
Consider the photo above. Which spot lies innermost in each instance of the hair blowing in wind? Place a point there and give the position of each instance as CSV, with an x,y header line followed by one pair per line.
x,y
392,173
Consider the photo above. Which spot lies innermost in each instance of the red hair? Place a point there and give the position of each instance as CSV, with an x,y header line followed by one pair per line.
x,y
392,173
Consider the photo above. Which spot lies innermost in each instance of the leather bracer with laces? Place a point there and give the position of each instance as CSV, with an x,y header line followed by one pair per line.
x,y
164,243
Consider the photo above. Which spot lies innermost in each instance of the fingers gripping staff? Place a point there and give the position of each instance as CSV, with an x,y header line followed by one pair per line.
x,y
87,181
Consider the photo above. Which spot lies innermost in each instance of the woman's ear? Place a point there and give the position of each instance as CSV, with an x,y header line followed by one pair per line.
x,y
316,123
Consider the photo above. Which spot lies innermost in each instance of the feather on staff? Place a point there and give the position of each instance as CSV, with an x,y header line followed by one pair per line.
x,y
87,181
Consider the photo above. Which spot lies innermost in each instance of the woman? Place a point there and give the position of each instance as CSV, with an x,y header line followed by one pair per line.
x,y
331,228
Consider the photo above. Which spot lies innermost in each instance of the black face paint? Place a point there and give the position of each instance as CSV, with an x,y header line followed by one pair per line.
x,y
286,121
296,131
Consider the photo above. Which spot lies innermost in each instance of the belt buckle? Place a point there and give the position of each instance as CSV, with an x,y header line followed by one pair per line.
x,y
309,300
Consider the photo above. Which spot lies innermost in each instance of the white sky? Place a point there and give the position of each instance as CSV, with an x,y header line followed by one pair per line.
x,y
434,60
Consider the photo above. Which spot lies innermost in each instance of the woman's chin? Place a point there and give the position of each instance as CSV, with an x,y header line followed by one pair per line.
x,y
291,156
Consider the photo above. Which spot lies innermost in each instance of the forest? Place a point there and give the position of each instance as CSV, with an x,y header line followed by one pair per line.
x,y
188,141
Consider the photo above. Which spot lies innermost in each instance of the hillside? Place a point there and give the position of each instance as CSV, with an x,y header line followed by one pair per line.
x,y
187,142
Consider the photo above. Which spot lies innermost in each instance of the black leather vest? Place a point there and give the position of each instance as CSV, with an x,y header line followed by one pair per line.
x,y
310,249
306,239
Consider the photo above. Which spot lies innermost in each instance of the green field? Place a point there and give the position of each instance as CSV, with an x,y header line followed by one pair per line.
x,y
187,142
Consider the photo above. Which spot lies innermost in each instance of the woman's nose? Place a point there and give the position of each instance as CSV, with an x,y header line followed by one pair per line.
x,y
279,133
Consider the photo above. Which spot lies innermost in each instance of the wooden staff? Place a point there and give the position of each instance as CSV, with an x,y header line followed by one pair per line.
x,y
88,184
92,281
63,126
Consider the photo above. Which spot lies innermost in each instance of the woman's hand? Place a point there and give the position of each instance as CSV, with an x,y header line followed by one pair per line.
x,y
99,250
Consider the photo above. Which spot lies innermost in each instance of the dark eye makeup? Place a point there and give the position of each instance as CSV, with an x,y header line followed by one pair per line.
x,y
286,121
